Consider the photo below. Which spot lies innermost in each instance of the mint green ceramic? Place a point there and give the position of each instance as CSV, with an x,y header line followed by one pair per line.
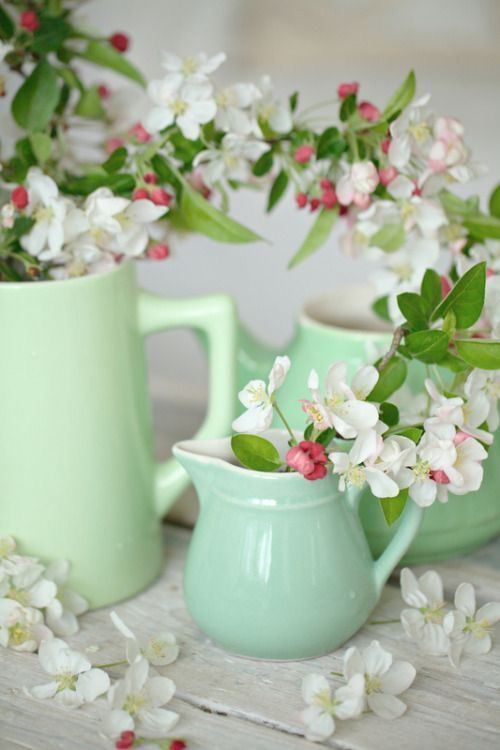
x,y
77,474
339,325
279,567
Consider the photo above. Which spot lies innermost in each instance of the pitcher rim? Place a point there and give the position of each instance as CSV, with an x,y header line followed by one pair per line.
x,y
307,320
88,279
181,447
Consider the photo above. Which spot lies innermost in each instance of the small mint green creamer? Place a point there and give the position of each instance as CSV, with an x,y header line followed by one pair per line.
x,y
278,566
77,475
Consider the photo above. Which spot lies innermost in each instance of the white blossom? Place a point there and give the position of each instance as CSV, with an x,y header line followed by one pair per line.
x,y
197,67
136,703
232,160
63,610
319,717
187,103
470,630
234,109
74,681
384,678
21,628
423,621
257,398
160,649
270,110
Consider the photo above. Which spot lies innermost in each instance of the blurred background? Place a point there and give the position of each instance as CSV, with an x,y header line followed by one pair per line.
x,y
309,46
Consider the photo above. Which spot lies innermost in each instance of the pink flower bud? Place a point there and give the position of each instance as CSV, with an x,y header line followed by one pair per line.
x,y
140,194
303,153
308,458
387,175
19,197
150,178
460,437
158,252
368,111
439,476
140,132
301,200
314,204
346,89
126,740
446,286
29,20
104,91
329,198
326,184
113,144
160,197
384,146
177,745
119,41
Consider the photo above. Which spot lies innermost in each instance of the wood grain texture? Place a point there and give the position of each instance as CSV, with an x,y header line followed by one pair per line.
x,y
228,703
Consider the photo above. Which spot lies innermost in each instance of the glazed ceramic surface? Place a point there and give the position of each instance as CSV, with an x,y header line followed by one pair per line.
x,y
279,567
77,475
339,325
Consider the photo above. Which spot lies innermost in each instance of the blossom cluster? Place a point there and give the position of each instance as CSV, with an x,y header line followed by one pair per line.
x,y
442,454
135,715
35,602
439,630
373,682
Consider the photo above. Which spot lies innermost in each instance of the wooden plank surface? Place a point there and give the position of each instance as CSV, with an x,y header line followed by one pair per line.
x,y
230,703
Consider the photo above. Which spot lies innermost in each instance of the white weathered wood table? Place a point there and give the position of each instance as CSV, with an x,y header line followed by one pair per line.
x,y
230,703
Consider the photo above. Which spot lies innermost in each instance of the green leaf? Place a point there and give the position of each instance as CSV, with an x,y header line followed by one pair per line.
x,y
165,173
7,26
70,78
330,144
41,145
428,346
401,98
90,105
50,35
255,452
466,299
452,363
415,310
119,183
412,433
390,379
308,431
108,57
317,236
184,149
200,216
36,100
264,164
482,353
389,413
293,101
430,288
116,160
452,204
325,438
392,507
348,107
278,189
494,203
381,308
483,227
389,238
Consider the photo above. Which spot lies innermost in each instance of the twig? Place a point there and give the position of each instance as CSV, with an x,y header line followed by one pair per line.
x,y
399,333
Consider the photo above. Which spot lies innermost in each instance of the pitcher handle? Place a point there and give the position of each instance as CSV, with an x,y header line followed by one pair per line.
x,y
215,316
407,531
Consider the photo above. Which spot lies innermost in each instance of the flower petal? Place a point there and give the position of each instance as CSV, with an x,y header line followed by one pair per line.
x,y
312,684
386,706
377,660
489,612
116,722
398,678
410,590
91,684
319,725
465,599
157,722
431,585
159,690
353,663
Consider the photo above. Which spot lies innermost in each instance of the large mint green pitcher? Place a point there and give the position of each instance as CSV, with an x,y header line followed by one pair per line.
x,y
77,474
278,566
340,325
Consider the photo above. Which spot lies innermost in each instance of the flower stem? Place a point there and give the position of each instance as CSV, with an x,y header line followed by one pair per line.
x,y
282,417
353,144
399,333
337,674
111,664
384,622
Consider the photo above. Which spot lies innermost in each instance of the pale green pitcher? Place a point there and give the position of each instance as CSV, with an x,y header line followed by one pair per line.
x,y
77,474
278,566
340,325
